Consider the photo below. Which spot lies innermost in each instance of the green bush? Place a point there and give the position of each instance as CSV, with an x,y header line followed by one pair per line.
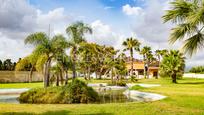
x,y
117,83
75,92
133,79
121,83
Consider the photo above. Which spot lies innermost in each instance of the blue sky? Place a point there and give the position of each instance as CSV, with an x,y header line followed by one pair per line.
x,y
108,11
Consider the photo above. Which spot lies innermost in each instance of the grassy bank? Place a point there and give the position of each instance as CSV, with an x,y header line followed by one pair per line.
x,y
21,85
186,97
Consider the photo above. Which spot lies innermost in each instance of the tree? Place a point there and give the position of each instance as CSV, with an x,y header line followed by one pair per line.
x,y
164,52
76,32
158,54
173,64
197,69
57,72
8,65
27,64
64,62
187,15
87,52
130,45
46,48
1,65
145,51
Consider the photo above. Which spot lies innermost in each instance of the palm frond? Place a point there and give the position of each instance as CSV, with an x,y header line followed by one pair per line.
x,y
179,11
36,38
192,44
179,32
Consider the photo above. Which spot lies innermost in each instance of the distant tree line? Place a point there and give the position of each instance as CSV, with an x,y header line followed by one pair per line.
x,y
197,69
7,65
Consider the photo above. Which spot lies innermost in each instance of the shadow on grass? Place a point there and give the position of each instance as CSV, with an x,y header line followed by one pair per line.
x,y
63,112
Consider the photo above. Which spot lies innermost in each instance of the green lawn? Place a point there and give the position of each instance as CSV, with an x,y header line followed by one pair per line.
x,y
21,85
186,97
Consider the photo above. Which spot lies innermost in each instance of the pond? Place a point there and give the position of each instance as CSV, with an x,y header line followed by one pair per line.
x,y
106,95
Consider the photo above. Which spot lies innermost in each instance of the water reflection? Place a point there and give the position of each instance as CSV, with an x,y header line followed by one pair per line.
x,y
9,98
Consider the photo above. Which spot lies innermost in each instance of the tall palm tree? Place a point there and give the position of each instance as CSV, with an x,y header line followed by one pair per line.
x,y
150,60
47,48
158,54
65,64
130,45
146,52
188,17
173,64
76,32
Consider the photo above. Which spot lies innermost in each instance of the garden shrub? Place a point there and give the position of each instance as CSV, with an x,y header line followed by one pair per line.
x,y
133,79
117,83
75,92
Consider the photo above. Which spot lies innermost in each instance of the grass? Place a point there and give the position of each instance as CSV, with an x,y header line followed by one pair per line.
x,y
186,97
21,85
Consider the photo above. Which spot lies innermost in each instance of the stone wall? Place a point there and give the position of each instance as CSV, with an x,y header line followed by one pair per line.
x,y
19,76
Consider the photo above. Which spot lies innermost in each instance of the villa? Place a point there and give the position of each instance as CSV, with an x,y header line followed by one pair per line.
x,y
138,68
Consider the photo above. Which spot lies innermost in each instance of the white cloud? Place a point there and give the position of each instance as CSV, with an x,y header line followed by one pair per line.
x,y
19,18
12,48
102,34
128,10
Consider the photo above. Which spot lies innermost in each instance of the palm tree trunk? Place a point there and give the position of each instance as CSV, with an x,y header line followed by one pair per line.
x,y
100,73
112,76
173,78
100,76
131,54
74,63
66,77
47,73
158,65
61,77
85,74
88,75
145,74
57,81
147,70
31,74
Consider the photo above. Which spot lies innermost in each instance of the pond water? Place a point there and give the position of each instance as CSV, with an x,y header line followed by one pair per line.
x,y
114,96
105,96
11,98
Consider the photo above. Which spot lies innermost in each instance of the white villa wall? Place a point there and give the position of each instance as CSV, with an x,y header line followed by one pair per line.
x,y
193,75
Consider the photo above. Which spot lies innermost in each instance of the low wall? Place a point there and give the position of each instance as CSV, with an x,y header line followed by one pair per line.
x,y
193,75
19,76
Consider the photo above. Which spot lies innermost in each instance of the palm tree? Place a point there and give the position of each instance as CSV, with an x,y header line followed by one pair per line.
x,y
158,54
76,32
187,15
57,71
150,60
131,44
173,64
46,48
64,63
164,52
145,51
